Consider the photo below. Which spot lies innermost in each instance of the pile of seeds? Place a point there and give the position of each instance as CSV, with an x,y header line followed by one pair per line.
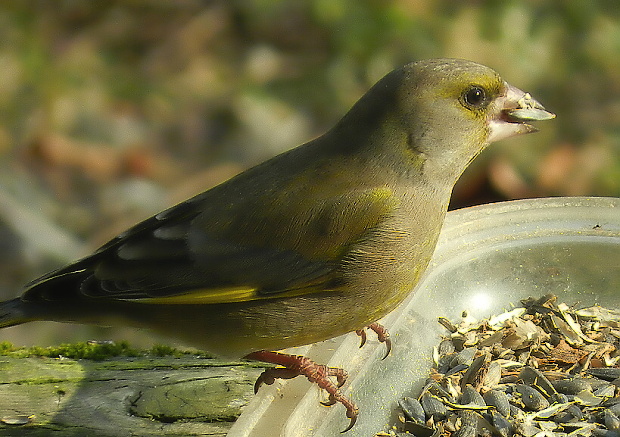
x,y
540,370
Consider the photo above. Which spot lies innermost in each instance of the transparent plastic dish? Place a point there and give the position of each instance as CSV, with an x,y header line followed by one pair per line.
x,y
488,257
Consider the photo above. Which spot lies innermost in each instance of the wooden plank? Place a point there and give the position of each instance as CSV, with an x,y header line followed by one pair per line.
x,y
123,396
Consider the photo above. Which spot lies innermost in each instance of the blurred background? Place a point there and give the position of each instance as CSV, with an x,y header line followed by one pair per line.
x,y
112,111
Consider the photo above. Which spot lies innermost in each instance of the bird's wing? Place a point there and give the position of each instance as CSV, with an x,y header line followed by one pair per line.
x,y
189,254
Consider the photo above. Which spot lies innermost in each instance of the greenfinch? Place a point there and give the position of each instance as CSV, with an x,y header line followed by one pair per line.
x,y
318,241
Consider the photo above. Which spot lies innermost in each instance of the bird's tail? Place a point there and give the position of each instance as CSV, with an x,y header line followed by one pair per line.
x,y
12,313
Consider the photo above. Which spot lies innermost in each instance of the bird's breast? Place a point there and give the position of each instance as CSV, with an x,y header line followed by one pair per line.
x,y
385,265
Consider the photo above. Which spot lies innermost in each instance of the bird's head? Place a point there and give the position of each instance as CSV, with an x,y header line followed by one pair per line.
x,y
453,108
433,117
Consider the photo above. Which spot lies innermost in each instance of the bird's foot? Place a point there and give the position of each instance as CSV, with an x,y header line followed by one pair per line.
x,y
295,365
382,335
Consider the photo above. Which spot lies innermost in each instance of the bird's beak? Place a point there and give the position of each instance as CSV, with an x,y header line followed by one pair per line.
x,y
514,109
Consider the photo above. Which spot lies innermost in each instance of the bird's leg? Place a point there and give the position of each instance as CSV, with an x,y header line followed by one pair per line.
x,y
382,335
295,365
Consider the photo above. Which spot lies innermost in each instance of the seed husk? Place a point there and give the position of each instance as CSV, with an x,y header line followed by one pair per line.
x,y
605,373
535,378
531,398
501,424
571,386
499,400
433,407
412,408
611,421
472,397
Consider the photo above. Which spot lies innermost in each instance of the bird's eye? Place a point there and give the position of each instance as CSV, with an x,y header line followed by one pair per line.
x,y
475,97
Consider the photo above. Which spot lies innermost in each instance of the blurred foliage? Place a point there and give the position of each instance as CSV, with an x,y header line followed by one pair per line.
x,y
112,111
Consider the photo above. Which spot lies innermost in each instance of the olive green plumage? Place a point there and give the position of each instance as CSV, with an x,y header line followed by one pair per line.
x,y
321,240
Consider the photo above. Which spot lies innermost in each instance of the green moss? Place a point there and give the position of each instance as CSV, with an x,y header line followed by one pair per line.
x,y
162,350
6,348
89,351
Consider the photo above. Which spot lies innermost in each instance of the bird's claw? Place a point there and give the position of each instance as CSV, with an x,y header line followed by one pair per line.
x,y
352,415
382,335
352,410
269,376
362,334
295,365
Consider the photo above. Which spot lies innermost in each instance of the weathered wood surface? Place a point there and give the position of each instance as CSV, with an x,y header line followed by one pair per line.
x,y
123,396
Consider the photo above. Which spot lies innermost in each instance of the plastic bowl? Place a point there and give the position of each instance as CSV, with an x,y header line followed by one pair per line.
x,y
488,257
